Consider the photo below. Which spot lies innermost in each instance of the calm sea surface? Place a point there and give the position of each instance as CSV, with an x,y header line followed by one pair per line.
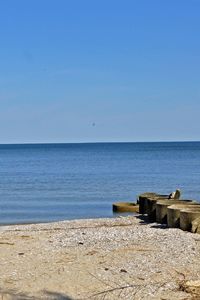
x,y
47,182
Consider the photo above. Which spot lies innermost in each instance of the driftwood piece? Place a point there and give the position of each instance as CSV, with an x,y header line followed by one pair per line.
x,y
192,287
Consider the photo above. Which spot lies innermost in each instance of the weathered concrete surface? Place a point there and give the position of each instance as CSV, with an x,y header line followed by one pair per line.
x,y
187,216
196,225
173,213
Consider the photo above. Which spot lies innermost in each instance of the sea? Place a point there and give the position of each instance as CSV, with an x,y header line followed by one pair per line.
x,y
51,182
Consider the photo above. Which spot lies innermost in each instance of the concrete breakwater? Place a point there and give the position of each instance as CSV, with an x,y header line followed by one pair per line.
x,y
177,213
174,212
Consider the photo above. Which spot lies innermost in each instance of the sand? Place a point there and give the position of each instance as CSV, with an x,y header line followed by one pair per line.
x,y
117,258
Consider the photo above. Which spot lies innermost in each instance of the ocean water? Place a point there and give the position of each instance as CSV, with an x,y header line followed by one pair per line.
x,y
48,182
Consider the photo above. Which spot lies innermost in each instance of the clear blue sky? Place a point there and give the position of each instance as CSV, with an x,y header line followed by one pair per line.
x,y
109,70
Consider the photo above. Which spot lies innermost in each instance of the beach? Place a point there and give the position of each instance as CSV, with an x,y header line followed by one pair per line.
x,y
111,258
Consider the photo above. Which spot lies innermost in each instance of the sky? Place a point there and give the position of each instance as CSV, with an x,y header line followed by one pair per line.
x,y
99,70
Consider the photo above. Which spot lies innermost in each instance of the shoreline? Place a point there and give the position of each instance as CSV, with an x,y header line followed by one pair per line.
x,y
114,258
118,215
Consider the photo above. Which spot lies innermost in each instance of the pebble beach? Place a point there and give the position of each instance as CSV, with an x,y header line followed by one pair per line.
x,y
113,258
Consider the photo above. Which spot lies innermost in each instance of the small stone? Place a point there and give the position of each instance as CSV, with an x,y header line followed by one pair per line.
x,y
123,271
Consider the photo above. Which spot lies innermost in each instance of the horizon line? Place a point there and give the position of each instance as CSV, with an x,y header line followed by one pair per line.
x,y
100,142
